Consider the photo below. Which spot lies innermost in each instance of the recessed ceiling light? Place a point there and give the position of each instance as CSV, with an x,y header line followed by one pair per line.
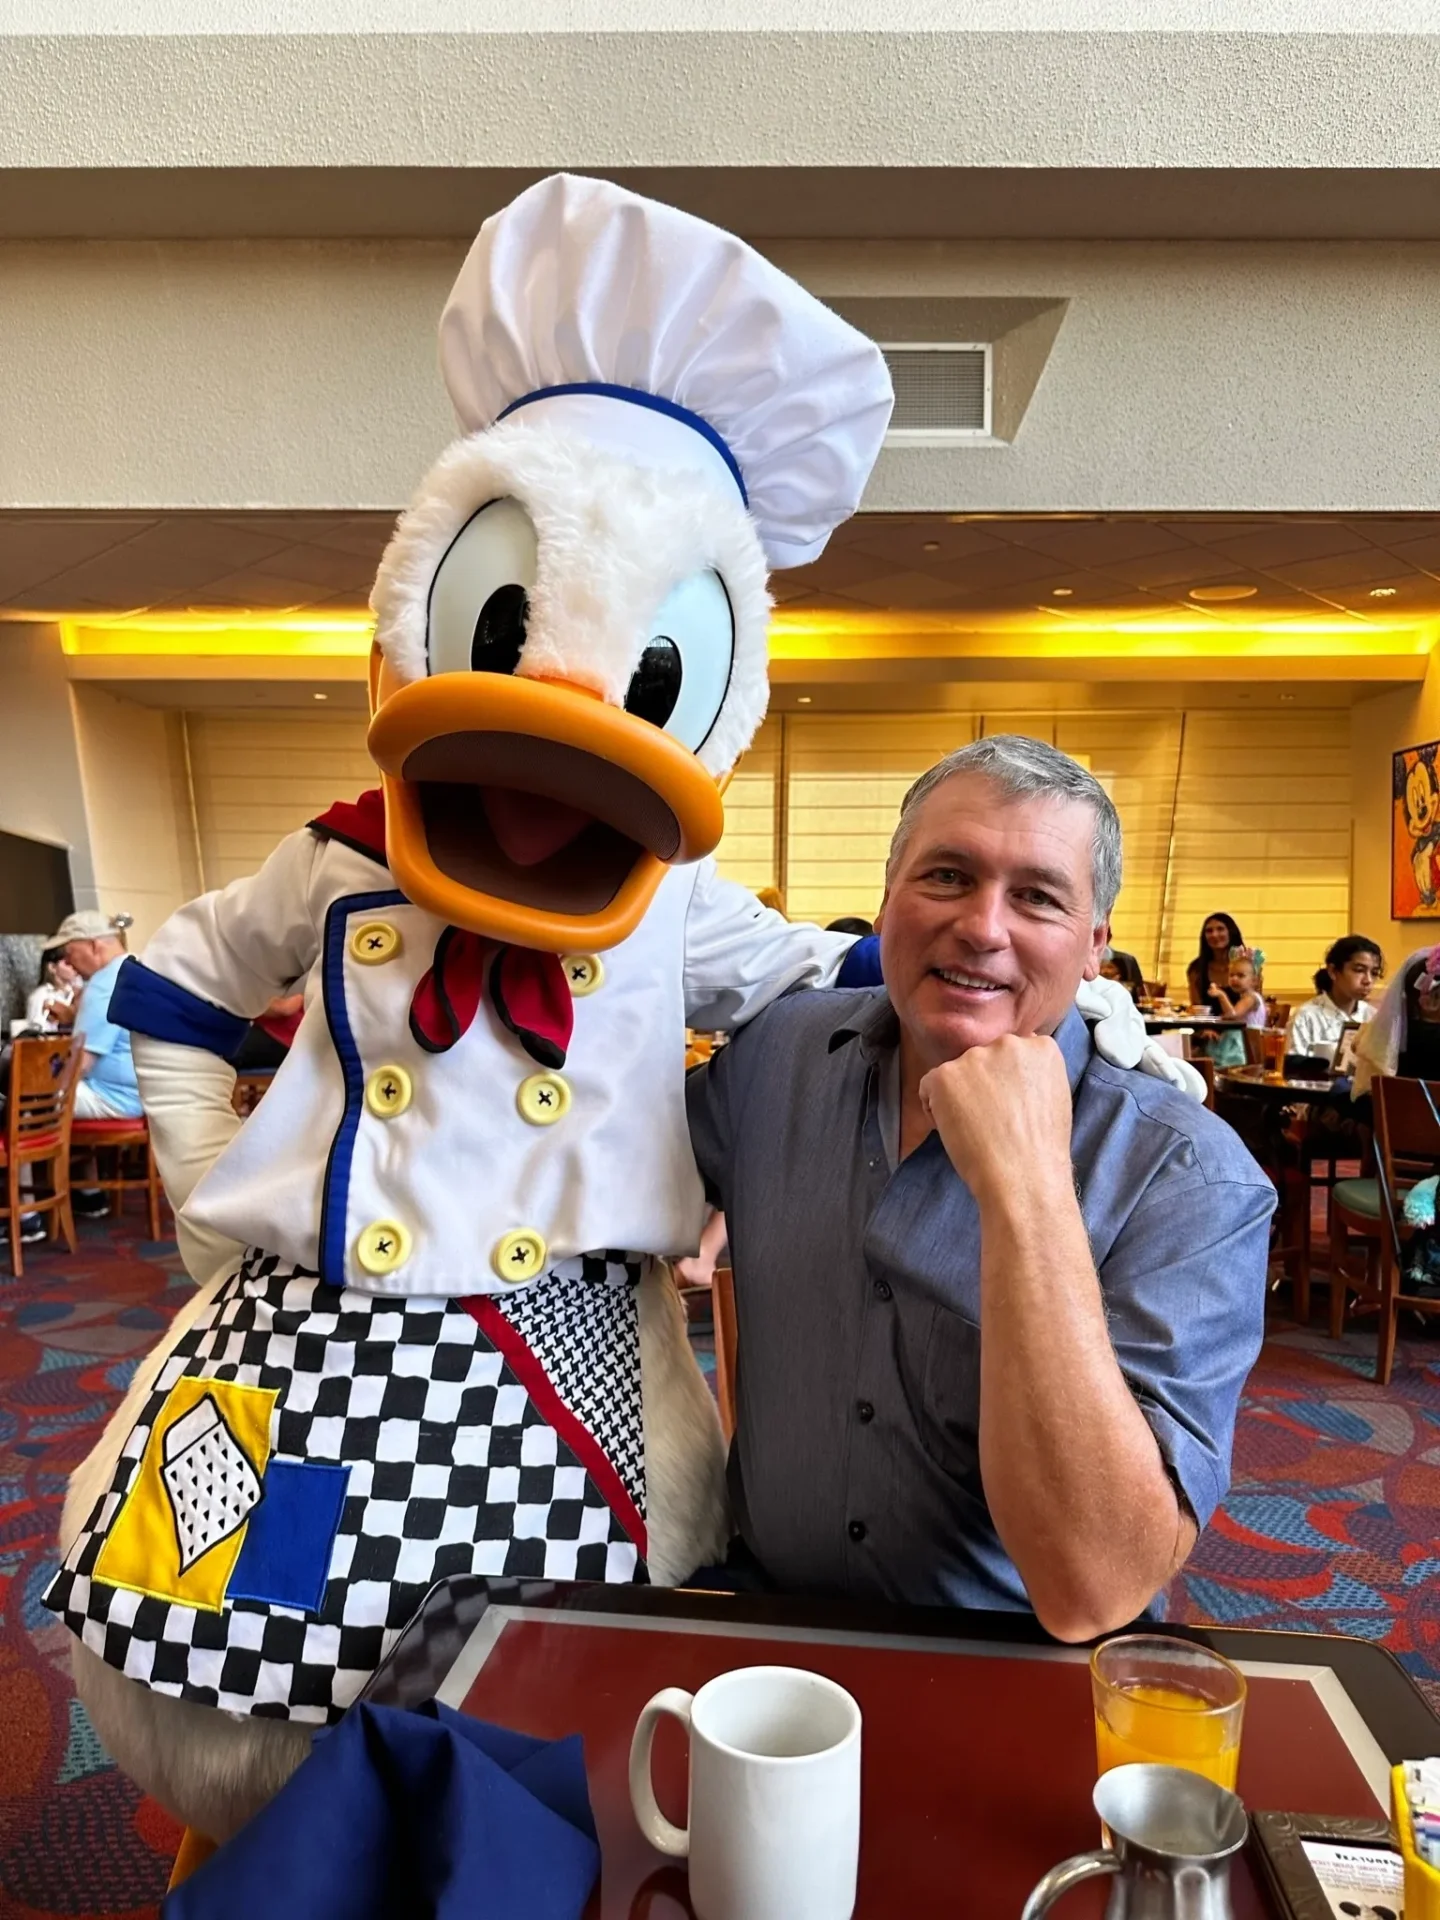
x,y
1383,593
802,699
1235,591
932,546
1061,593
320,696
1287,696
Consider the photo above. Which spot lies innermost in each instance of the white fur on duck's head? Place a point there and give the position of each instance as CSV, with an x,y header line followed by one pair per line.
x,y
570,657
612,542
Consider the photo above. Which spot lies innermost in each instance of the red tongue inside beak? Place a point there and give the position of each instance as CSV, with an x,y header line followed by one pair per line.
x,y
528,827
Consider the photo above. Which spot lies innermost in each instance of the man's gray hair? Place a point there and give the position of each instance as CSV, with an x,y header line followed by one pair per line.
x,y
1021,768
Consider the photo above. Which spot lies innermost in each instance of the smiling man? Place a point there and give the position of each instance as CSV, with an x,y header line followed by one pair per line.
x,y
996,1298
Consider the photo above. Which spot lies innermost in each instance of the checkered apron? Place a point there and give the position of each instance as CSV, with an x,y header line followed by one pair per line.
x,y
496,1435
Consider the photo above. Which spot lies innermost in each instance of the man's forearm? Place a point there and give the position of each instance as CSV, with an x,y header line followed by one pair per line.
x,y
1073,1477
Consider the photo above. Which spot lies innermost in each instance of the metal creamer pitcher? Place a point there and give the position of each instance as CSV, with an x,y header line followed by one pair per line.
x,y
1174,1835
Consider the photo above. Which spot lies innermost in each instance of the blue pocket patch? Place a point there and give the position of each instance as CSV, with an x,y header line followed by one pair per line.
x,y
285,1560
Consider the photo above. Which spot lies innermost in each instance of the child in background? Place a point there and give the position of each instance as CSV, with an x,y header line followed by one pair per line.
x,y
1244,1001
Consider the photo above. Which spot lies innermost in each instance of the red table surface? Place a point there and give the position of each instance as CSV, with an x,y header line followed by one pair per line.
x,y
977,1770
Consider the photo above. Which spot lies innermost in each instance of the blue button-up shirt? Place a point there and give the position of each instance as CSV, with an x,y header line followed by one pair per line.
x,y
856,1464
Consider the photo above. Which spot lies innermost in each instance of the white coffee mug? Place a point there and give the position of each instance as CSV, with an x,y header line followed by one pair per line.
x,y
774,1829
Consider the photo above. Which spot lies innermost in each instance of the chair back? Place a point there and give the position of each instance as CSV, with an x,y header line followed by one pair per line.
x,y
1407,1139
1254,1038
727,1340
1205,1067
42,1092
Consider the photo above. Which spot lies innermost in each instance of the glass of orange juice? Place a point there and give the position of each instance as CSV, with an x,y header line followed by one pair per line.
x,y
1167,1700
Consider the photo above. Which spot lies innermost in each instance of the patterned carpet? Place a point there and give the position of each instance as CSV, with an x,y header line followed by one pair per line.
x,y
1331,1526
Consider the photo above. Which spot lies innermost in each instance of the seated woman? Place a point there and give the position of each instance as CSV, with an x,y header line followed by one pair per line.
x,y
1243,999
1342,996
51,1005
1209,971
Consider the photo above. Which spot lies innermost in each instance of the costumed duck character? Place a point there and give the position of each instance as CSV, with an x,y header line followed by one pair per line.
x,y
431,1337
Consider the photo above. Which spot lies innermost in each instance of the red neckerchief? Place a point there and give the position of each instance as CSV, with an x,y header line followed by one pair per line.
x,y
528,990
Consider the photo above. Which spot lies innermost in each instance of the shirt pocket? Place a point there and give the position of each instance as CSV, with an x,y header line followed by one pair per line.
x,y
951,1394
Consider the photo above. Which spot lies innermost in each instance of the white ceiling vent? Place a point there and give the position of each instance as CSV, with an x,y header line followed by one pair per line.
x,y
942,391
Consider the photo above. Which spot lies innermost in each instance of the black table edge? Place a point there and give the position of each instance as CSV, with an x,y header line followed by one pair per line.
x,y
1397,1714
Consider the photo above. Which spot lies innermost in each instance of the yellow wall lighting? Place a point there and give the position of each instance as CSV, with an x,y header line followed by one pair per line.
x,y
813,636
847,636
341,636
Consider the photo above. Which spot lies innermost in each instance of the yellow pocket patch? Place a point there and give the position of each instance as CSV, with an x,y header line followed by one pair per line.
x,y
179,1532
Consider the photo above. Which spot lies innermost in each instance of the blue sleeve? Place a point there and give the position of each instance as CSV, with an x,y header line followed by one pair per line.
x,y
1185,1298
146,1002
861,965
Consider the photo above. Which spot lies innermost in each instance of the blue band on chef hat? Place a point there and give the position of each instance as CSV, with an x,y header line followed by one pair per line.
x,y
639,398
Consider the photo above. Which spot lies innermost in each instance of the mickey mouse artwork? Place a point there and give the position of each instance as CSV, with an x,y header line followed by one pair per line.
x,y
1415,843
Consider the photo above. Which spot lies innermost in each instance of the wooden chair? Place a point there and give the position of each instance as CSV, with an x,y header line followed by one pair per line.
x,y
1407,1150
722,1295
121,1137
1205,1067
37,1134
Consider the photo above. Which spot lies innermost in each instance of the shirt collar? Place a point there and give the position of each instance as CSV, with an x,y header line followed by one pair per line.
x,y
875,1025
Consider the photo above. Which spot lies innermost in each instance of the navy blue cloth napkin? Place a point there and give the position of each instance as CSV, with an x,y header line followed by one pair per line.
x,y
398,1815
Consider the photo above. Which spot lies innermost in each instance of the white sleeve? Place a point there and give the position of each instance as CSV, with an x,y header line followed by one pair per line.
x,y
739,956
1304,1030
241,947
186,1093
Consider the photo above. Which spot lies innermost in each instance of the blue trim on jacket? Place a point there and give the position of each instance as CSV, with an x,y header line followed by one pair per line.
x,y
335,1200
861,965
146,1002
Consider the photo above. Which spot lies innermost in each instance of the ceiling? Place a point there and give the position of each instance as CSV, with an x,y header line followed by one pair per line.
x,y
1365,570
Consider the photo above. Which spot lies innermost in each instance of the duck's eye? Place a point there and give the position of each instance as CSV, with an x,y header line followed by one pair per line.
x,y
500,630
684,671
655,684
480,596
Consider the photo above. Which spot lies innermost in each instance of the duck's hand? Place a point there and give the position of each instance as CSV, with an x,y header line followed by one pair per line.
x,y
1120,1037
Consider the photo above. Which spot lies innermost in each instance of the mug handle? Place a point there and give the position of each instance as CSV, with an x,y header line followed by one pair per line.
x,y
1069,1873
659,1831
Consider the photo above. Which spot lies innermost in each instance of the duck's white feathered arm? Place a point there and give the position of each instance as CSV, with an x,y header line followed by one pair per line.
x,y
188,1001
739,956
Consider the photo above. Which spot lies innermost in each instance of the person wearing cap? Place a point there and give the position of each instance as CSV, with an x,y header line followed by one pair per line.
x,y
93,944
432,1336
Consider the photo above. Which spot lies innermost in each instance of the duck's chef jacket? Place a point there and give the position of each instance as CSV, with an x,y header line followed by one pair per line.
x,y
392,1169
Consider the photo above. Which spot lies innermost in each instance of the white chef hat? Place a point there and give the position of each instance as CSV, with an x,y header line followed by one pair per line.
x,y
673,343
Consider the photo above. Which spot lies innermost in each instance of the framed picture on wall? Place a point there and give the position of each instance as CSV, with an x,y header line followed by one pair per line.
x,y
1415,833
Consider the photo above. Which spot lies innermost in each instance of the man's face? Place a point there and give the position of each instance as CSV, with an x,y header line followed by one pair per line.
x,y
85,956
986,927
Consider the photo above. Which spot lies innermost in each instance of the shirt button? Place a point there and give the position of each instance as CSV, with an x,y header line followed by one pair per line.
x,y
375,942
856,1529
382,1246
519,1256
543,1099
388,1091
585,973
883,1290
865,1411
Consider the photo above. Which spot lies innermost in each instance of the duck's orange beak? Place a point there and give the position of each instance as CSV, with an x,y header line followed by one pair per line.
x,y
530,811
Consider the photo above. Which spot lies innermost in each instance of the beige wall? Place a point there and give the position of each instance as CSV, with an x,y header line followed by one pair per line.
x,y
40,794
132,774
302,374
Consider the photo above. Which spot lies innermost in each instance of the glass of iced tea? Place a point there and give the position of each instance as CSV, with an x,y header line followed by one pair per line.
x,y
1169,1701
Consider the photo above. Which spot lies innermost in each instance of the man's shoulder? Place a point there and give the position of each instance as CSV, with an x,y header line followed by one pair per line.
x,y
807,1014
1198,1137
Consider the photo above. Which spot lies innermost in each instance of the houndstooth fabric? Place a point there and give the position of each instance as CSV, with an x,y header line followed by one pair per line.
x,y
452,1470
